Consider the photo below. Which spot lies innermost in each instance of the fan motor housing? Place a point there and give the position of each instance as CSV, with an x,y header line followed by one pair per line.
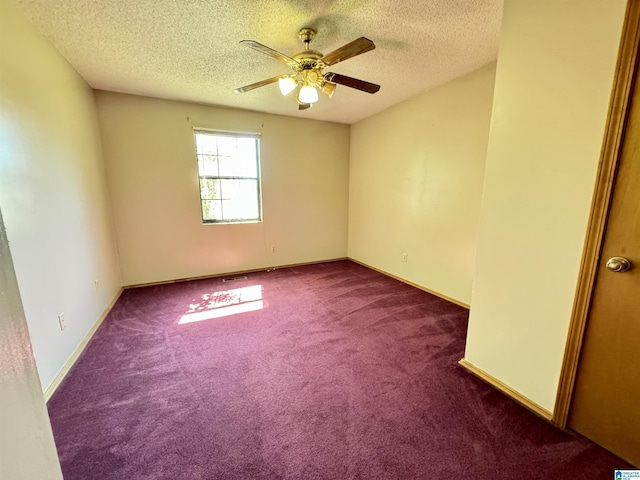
x,y
307,59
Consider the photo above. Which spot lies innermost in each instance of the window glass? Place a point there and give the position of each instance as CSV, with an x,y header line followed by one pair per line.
x,y
228,167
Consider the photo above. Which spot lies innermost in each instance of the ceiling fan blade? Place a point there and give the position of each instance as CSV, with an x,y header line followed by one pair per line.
x,y
304,106
269,51
262,83
357,47
351,82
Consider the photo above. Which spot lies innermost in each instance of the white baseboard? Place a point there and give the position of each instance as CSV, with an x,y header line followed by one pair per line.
x,y
51,389
232,273
507,390
415,285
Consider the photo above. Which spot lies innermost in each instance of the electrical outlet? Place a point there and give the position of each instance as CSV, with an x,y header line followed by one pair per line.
x,y
96,285
273,249
61,321
404,256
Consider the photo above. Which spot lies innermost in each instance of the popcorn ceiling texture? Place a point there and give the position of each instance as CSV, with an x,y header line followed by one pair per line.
x,y
188,50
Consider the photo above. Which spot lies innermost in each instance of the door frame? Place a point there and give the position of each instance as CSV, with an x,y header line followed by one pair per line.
x,y
625,73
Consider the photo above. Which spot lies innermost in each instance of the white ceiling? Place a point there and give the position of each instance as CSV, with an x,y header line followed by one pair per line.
x,y
189,50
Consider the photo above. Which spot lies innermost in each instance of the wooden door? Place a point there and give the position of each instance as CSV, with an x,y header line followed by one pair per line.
x,y
606,399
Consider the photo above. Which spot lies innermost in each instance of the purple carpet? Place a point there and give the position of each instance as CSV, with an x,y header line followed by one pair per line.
x,y
328,371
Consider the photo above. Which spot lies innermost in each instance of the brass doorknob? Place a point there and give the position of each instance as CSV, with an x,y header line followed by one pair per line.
x,y
618,264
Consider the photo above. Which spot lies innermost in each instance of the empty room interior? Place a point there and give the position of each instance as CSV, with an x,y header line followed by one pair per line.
x,y
401,300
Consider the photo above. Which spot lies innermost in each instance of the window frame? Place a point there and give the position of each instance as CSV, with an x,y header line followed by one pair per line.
x,y
257,178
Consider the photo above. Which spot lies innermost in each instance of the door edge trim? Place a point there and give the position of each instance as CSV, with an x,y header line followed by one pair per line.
x,y
625,74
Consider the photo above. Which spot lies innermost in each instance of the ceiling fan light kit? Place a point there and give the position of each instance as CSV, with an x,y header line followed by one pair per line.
x,y
308,94
287,85
308,64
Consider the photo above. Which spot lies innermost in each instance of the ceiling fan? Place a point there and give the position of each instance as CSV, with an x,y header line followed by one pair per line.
x,y
307,68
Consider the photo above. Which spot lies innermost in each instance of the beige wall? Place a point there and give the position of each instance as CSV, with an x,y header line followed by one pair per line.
x,y
27,449
153,179
415,185
52,192
553,83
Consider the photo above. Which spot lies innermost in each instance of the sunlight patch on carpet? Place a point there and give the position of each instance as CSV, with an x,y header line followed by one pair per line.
x,y
224,303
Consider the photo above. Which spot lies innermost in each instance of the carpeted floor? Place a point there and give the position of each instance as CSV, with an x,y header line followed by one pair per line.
x,y
328,371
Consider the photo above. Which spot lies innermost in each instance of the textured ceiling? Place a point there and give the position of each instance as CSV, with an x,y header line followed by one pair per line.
x,y
189,50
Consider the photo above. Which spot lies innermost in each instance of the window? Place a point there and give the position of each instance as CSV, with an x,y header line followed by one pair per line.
x,y
229,173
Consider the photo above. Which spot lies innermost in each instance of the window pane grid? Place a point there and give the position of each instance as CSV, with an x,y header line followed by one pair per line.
x,y
229,177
